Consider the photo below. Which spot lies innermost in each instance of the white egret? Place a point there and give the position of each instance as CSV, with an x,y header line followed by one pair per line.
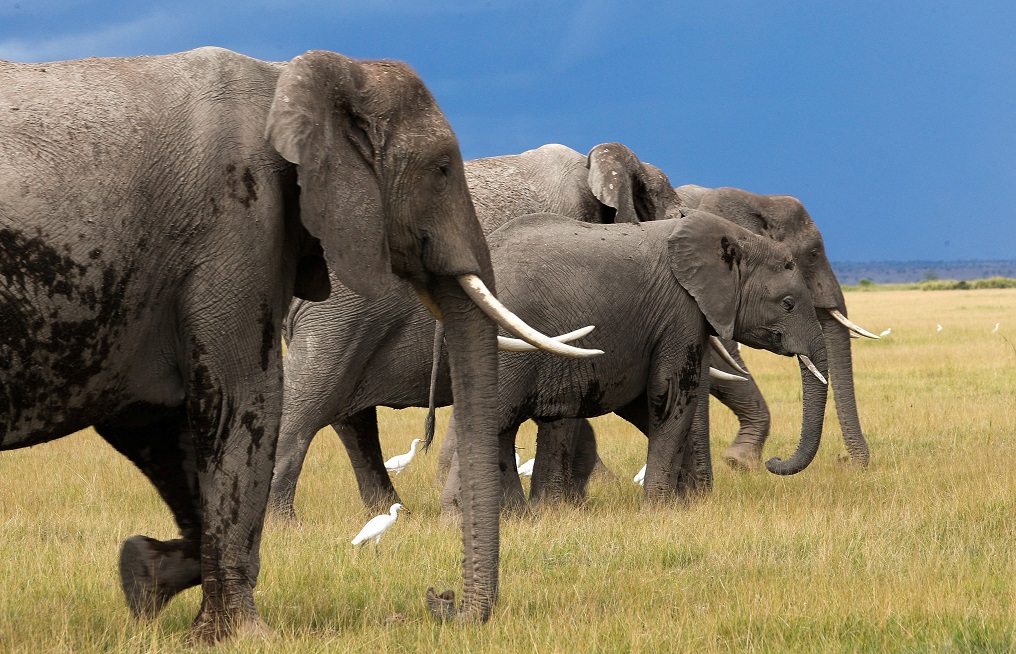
x,y
526,469
886,332
399,462
378,525
938,328
640,476
995,330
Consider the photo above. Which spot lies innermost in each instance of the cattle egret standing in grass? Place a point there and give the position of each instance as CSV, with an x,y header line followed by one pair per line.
x,y
398,463
995,330
938,328
886,332
640,476
526,469
378,525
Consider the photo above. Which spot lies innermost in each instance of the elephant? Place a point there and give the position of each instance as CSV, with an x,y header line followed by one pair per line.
x,y
784,219
157,215
656,292
347,354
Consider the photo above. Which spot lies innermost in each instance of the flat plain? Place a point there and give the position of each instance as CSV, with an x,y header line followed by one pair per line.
x,y
916,553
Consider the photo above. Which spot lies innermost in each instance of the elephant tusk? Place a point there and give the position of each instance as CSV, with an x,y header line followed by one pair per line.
x,y
722,351
842,319
725,376
811,366
518,345
481,295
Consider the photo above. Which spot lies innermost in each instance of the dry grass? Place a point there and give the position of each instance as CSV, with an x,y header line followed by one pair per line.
x,y
914,554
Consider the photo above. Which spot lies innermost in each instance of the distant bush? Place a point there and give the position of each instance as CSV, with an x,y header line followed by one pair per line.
x,y
865,282
962,285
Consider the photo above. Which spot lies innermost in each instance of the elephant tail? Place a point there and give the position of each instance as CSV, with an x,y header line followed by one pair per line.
x,y
428,428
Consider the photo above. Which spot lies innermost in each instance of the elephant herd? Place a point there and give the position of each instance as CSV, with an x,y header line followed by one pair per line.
x,y
166,221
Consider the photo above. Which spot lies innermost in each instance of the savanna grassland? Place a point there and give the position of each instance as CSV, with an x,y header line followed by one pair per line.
x,y
915,554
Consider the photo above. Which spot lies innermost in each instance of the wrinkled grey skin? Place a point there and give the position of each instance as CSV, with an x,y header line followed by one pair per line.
x,y
157,215
655,291
784,219
348,355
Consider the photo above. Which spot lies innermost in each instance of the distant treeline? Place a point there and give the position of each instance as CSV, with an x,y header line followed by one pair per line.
x,y
903,272
936,285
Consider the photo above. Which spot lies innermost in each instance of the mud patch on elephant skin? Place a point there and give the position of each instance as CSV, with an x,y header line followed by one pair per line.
x,y
49,359
243,187
730,254
591,403
268,338
688,378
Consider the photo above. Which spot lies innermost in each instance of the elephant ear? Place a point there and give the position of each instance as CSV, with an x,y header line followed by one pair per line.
x,y
706,255
635,190
318,121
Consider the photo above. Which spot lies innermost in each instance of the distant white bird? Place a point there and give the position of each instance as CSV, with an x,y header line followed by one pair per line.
x,y
886,332
399,462
938,328
995,330
378,525
640,476
526,469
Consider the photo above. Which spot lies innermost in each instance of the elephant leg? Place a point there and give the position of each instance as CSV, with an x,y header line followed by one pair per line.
x,y
513,497
745,399
447,453
153,571
565,460
359,434
696,466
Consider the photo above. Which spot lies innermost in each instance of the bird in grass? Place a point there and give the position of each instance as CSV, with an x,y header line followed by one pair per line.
x,y
526,469
938,328
995,330
886,332
378,525
640,476
399,462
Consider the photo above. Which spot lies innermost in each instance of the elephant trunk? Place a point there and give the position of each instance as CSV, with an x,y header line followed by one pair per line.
x,y
471,342
815,395
837,339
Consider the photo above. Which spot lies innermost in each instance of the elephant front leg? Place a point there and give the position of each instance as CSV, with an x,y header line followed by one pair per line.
x,y
745,399
672,401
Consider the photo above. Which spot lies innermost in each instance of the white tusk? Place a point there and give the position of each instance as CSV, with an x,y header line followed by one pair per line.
x,y
811,366
506,344
481,295
842,319
725,376
722,351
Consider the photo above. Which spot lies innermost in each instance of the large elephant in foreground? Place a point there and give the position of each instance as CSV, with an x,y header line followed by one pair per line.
x,y
157,215
348,355
656,291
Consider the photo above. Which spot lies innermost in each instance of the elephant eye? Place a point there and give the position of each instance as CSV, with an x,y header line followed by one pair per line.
x,y
788,303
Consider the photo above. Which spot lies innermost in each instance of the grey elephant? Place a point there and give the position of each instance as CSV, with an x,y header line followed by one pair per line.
x,y
348,355
157,215
783,218
656,292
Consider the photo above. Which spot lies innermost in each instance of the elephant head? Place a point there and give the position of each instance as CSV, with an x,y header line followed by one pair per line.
x,y
783,218
750,289
382,187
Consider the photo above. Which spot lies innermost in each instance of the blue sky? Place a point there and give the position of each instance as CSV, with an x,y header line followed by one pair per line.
x,y
894,122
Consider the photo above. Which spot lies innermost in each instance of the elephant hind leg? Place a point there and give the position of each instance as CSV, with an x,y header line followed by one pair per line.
x,y
152,571
359,435
566,458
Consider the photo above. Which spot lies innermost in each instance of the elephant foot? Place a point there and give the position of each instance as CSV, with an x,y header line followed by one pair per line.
x,y
231,615
743,456
443,605
152,572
